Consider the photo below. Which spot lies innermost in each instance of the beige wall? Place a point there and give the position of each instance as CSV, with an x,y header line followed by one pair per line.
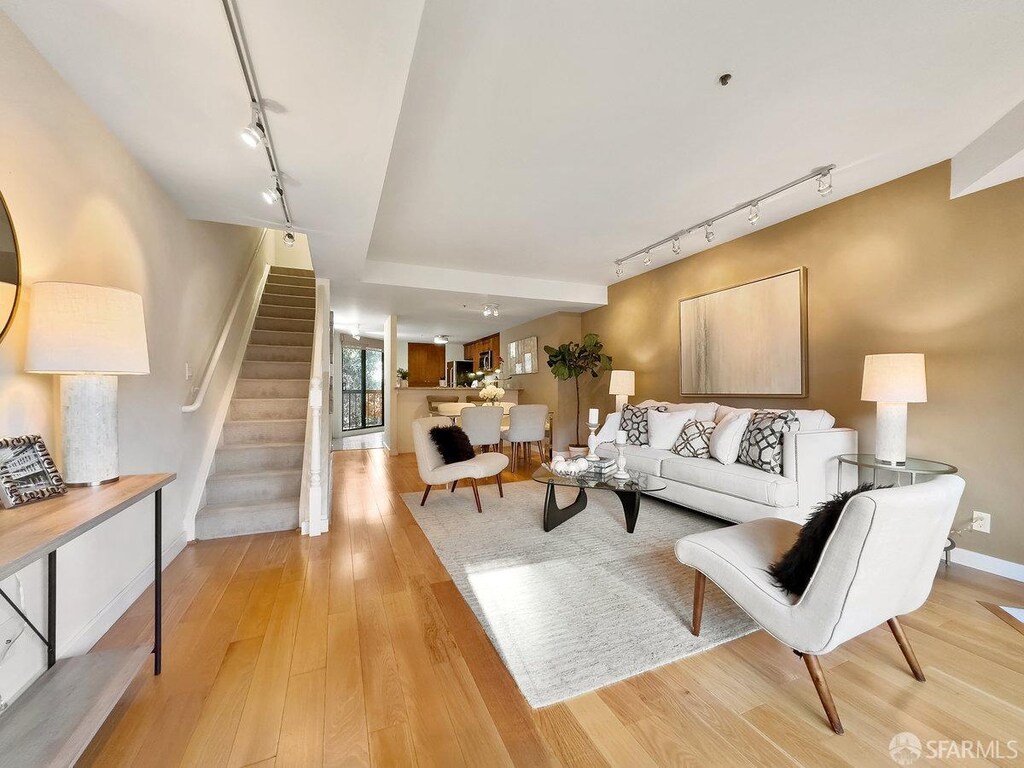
x,y
542,387
898,268
85,211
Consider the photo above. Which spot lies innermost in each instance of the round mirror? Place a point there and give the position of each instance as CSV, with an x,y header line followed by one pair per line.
x,y
10,269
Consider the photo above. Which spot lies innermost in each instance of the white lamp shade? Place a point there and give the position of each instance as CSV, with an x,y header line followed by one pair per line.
x,y
622,383
76,328
894,379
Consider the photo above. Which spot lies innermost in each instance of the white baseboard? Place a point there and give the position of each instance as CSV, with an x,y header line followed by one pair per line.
x,y
987,563
88,636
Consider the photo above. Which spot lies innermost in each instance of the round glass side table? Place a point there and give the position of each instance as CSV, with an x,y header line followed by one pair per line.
x,y
913,467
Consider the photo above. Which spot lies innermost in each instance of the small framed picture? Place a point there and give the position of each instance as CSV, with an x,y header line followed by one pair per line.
x,y
27,472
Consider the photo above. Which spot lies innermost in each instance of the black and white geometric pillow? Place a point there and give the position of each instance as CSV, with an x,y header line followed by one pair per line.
x,y
634,422
761,446
695,439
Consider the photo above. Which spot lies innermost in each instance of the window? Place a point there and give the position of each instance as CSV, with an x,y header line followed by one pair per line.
x,y
362,388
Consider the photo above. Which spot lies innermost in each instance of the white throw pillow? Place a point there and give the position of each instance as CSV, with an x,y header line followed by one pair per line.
x,y
664,428
807,420
611,425
705,411
728,435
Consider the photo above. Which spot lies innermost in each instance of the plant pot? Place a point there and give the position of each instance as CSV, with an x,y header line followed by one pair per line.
x,y
578,450
403,382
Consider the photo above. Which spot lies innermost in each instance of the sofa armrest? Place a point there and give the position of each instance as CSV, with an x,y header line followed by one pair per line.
x,y
811,458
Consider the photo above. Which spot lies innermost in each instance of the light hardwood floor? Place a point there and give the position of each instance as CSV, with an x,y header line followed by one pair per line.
x,y
355,648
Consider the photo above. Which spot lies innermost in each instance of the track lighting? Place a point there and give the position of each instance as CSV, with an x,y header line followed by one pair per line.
x,y
823,174
439,339
490,310
273,193
289,239
648,259
825,183
253,135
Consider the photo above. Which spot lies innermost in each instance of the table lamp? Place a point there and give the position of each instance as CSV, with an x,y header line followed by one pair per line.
x,y
623,386
892,381
88,335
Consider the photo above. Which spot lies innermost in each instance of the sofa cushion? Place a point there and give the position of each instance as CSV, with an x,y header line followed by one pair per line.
x,y
818,419
638,457
732,479
762,442
728,435
695,439
633,421
705,411
663,428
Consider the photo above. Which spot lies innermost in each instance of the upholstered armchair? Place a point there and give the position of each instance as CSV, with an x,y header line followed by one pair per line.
x,y
433,470
878,564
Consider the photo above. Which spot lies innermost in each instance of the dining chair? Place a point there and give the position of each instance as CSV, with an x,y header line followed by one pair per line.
x,y
878,564
452,410
433,470
433,400
483,426
526,427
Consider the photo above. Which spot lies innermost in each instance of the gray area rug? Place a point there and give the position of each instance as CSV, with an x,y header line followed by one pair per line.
x,y
581,607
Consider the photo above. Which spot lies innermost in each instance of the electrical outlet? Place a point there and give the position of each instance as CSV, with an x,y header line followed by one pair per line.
x,y
981,522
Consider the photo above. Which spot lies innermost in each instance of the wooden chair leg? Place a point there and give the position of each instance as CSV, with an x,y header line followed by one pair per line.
x,y
501,491
699,581
908,651
426,492
529,454
476,495
824,694
454,483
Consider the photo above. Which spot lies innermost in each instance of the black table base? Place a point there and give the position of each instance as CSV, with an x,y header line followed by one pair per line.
x,y
554,515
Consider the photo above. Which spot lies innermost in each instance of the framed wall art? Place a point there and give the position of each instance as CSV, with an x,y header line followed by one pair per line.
x,y
27,473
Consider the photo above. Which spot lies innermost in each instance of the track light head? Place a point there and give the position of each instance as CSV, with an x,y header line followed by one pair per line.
x,y
648,259
618,271
825,184
273,193
289,239
676,247
490,310
754,214
254,135
709,233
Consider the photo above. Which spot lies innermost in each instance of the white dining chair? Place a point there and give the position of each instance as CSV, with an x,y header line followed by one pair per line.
x,y
878,564
526,427
433,470
483,426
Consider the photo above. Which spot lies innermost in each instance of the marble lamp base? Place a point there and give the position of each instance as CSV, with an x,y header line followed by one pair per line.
x,y
88,410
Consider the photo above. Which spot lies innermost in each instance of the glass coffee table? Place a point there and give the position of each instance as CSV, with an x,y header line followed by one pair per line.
x,y
628,492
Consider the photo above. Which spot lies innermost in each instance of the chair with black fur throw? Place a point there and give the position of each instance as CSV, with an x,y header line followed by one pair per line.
x,y
876,564
435,471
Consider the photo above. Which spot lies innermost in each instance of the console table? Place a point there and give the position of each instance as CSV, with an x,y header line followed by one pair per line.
x,y
54,720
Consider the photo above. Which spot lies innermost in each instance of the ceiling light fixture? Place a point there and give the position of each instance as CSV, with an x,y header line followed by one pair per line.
x,y
490,310
753,208
253,135
274,192
440,339
289,238
648,259
825,183
755,214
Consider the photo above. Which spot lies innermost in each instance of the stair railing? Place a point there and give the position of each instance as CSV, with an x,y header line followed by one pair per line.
x,y
315,499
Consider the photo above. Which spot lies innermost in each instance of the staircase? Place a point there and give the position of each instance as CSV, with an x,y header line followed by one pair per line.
x,y
254,483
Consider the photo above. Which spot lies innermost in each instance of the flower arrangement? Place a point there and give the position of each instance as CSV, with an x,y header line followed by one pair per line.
x,y
491,394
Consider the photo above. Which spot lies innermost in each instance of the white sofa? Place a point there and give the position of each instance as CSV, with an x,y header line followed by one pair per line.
x,y
737,492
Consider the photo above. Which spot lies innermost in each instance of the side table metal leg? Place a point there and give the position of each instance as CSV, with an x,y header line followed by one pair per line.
x,y
51,609
157,582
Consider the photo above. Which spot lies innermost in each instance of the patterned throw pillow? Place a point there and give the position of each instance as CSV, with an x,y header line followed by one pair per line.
x,y
761,446
695,439
634,422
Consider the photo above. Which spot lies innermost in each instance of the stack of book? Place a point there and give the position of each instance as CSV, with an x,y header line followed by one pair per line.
x,y
600,469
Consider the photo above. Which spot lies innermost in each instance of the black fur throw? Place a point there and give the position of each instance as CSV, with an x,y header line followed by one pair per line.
x,y
452,443
794,569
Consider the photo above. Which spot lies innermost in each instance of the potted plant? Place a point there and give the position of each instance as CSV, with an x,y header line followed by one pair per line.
x,y
572,360
403,377
491,394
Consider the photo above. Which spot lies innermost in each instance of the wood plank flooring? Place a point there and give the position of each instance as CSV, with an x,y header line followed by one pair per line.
x,y
356,649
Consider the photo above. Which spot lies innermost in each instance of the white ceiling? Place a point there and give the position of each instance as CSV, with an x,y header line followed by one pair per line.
x,y
447,153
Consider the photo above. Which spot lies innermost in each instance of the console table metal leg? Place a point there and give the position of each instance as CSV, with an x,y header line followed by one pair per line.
x,y
553,516
51,609
157,581
630,508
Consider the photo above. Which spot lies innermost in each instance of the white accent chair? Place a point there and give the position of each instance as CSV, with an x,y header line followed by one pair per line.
x,y
526,426
433,470
483,425
879,563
